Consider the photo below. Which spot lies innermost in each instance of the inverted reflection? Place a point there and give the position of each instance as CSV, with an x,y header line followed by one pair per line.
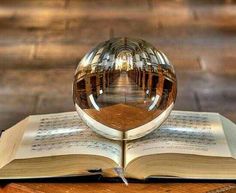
x,y
124,88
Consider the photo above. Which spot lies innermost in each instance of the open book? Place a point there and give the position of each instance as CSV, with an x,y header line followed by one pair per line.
x,y
187,145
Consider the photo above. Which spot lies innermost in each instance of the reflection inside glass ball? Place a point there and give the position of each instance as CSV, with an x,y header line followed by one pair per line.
x,y
124,88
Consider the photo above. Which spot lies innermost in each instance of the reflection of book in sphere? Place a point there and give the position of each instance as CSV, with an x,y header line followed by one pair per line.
x,y
124,85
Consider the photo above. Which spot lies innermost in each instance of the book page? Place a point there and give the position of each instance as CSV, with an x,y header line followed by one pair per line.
x,y
230,132
8,147
63,134
183,132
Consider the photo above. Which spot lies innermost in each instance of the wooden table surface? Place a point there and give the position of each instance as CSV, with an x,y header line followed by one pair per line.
x,y
106,185
118,187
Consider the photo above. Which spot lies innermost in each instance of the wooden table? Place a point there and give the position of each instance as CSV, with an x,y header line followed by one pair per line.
x,y
153,187
118,187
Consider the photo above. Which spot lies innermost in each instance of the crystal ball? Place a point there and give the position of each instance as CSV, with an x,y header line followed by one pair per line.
x,y
124,88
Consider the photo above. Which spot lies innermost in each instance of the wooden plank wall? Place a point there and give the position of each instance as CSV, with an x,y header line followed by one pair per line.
x,y
42,41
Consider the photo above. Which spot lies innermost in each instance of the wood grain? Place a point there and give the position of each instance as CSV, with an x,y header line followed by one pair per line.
x,y
119,187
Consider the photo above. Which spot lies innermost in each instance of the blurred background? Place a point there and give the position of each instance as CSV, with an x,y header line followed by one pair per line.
x,y
41,42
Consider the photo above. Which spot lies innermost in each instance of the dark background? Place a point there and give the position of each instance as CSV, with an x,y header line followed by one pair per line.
x,y
42,41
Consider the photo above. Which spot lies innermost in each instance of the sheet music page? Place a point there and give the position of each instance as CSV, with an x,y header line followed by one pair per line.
x,y
230,133
63,134
7,147
183,132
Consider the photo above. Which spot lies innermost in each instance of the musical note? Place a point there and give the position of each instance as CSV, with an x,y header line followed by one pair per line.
x,y
60,131
182,132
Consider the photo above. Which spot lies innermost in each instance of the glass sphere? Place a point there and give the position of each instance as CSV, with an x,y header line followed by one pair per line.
x,y
124,88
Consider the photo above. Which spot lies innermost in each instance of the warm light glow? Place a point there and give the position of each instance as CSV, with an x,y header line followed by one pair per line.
x,y
124,61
